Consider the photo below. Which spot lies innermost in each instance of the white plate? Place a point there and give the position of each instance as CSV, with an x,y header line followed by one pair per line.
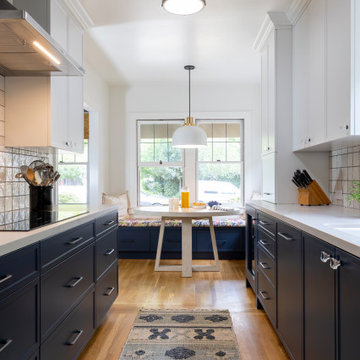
x,y
199,206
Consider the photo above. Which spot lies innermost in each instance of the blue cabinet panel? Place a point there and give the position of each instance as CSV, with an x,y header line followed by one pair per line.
x,y
105,252
227,239
172,239
133,239
18,268
19,323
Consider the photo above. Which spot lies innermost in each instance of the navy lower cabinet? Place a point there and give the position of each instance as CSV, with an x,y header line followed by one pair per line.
x,y
290,289
54,293
19,323
319,309
348,305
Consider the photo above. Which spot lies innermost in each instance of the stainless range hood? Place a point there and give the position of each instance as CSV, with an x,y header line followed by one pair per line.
x,y
26,49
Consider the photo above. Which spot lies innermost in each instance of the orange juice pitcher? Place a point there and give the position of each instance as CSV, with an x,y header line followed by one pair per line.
x,y
185,197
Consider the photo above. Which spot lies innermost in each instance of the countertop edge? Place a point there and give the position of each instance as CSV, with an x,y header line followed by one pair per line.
x,y
336,240
15,240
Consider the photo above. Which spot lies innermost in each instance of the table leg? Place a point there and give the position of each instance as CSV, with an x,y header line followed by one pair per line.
x,y
213,240
186,241
160,243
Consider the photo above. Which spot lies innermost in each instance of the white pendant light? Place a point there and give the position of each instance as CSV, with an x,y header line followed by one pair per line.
x,y
189,136
183,7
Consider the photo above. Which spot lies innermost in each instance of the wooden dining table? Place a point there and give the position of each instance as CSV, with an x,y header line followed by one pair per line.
x,y
186,215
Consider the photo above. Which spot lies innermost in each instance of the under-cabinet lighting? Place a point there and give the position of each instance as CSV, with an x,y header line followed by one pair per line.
x,y
47,53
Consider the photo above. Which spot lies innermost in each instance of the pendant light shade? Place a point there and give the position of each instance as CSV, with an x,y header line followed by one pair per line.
x,y
183,7
189,136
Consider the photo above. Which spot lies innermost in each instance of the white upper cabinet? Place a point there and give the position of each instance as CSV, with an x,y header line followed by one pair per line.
x,y
326,73
62,123
268,94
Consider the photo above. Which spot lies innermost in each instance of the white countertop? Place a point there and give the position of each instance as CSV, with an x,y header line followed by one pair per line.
x,y
334,224
14,240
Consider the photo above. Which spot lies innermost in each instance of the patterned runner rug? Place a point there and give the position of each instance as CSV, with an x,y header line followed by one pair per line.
x,y
181,334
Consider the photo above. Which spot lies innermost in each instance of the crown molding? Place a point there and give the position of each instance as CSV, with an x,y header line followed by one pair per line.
x,y
79,13
274,20
296,9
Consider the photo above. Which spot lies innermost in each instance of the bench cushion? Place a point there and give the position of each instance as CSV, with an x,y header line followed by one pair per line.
x,y
228,221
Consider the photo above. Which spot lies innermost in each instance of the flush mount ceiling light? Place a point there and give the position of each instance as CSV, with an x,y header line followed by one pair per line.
x,y
189,136
183,7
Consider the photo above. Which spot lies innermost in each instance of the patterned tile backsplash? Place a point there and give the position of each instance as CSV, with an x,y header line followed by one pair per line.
x,y
14,193
344,167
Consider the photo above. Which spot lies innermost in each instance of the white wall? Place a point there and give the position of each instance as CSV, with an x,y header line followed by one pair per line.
x,y
96,97
162,99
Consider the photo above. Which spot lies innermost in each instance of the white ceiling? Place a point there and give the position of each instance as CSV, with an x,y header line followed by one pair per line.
x,y
145,44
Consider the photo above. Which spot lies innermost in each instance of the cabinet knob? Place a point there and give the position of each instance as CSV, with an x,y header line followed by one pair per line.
x,y
67,143
334,263
324,257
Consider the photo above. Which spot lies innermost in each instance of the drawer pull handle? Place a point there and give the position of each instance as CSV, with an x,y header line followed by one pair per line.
x,y
109,291
5,278
263,223
77,334
263,295
286,236
324,257
4,344
74,282
75,241
109,223
264,243
109,251
264,266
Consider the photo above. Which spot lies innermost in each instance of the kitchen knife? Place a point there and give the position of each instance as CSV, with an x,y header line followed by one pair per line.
x,y
304,180
294,180
308,177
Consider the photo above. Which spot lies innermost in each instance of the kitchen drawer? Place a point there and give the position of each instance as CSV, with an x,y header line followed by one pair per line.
x,y
266,242
267,296
133,239
287,232
105,251
226,239
55,249
106,222
267,223
106,292
266,264
62,287
19,324
71,336
18,268
172,239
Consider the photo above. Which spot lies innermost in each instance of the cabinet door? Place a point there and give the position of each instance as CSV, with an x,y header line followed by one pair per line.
x,y
349,300
319,307
75,41
76,113
268,183
264,100
59,113
58,24
271,92
338,74
300,82
316,87
289,287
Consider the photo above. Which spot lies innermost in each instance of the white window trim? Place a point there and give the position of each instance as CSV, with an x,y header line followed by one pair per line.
x,y
132,151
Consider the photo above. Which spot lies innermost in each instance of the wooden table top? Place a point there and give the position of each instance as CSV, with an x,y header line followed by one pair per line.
x,y
164,211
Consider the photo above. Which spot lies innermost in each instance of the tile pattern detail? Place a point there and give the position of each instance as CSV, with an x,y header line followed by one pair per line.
x,y
14,193
344,167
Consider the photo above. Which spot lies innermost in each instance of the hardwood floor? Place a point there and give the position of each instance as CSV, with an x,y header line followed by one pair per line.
x,y
140,286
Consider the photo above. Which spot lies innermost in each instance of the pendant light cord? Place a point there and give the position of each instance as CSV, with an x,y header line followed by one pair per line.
x,y
189,94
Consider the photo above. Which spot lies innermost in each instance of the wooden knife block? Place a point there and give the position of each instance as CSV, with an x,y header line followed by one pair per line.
x,y
313,195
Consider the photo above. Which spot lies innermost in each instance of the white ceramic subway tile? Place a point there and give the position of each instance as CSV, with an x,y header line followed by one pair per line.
x,y
2,83
2,113
2,98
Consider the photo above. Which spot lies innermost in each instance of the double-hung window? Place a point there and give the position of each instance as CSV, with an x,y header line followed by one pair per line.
x,y
220,164
214,173
160,166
